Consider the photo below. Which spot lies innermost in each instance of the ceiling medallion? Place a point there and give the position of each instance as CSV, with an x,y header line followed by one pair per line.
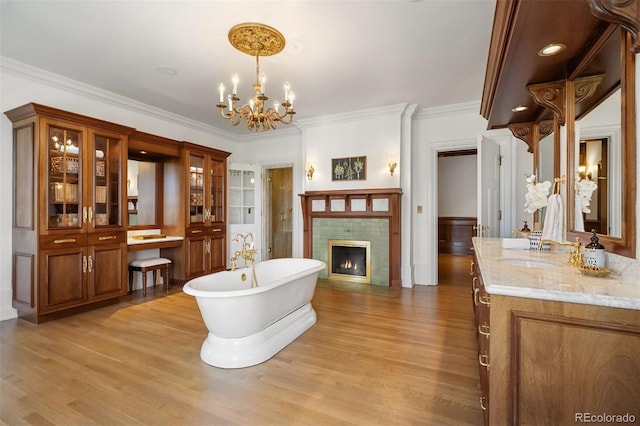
x,y
256,40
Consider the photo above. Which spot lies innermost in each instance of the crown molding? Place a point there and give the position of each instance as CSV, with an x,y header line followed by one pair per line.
x,y
39,75
363,114
453,109
293,129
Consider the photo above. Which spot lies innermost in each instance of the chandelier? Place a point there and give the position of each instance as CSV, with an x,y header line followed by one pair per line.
x,y
256,40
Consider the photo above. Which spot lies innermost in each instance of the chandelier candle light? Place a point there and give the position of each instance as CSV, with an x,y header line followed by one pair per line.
x,y
256,40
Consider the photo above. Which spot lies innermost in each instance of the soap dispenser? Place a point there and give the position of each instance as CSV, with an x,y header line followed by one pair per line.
x,y
525,228
594,252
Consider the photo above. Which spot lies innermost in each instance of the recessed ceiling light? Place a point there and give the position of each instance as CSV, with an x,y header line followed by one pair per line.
x,y
552,49
519,108
143,152
166,70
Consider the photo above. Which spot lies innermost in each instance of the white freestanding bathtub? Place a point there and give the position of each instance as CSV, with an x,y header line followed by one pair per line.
x,y
248,325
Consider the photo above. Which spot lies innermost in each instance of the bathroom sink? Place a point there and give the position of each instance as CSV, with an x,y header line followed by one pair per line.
x,y
528,263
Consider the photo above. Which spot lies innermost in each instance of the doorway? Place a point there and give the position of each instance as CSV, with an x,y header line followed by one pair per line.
x,y
279,212
457,212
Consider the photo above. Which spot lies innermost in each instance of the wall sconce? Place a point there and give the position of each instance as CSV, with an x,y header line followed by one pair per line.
x,y
392,165
309,168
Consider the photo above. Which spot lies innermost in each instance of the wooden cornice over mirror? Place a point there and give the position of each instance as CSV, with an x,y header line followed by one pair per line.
x,y
596,67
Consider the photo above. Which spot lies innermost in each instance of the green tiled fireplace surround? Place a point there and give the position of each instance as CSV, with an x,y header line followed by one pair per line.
x,y
361,229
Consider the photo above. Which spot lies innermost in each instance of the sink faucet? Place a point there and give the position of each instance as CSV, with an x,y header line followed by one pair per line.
x,y
247,253
576,257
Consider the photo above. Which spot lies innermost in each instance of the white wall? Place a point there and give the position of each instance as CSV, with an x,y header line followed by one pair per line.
x,y
375,134
457,196
435,130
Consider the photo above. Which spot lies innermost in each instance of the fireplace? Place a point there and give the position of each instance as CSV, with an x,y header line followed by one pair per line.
x,y
367,214
349,260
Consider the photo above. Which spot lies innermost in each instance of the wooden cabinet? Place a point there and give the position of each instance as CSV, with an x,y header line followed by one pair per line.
x,y
555,362
481,305
69,242
202,173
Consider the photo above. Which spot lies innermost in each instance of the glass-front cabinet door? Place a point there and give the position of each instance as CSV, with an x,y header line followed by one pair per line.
x,y
107,166
196,189
64,192
216,191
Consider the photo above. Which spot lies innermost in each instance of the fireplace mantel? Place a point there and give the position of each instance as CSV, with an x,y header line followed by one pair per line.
x,y
354,203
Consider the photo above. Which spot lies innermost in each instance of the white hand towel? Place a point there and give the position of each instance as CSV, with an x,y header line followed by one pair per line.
x,y
579,225
554,222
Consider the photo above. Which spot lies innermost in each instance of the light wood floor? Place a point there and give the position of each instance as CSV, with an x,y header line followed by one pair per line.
x,y
374,357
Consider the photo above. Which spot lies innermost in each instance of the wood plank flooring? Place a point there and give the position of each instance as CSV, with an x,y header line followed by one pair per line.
x,y
384,357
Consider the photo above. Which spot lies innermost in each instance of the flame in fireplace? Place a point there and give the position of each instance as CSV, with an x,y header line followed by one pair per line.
x,y
349,260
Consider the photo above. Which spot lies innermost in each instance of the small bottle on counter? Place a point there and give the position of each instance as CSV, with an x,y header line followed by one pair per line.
x,y
594,252
525,228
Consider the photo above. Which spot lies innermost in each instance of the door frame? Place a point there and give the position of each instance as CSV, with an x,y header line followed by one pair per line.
x,y
297,175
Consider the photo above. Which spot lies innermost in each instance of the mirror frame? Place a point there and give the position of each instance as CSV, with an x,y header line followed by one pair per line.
x,y
624,245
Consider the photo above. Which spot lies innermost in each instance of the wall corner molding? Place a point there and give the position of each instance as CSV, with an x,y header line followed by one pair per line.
x,y
39,75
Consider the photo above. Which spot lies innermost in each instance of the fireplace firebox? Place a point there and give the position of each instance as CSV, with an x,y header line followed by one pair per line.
x,y
349,260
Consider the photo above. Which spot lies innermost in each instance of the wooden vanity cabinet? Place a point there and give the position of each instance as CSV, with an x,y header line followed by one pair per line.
x,y
550,362
201,173
69,238
206,251
481,309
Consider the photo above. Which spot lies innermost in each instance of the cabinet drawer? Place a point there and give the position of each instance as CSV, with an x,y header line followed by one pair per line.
x,y
107,238
217,231
62,241
196,232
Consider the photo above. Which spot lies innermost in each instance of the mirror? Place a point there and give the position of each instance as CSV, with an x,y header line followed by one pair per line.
x,y
597,160
545,153
603,148
142,178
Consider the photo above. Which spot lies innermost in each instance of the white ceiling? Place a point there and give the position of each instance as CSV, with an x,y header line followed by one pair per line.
x,y
340,56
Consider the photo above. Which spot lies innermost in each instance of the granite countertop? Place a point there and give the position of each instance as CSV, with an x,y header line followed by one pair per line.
x,y
548,276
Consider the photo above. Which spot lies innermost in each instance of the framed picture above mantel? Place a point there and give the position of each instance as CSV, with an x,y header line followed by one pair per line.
x,y
349,168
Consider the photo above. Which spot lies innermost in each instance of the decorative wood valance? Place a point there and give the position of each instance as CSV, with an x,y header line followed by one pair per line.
x,y
530,132
551,95
354,203
625,13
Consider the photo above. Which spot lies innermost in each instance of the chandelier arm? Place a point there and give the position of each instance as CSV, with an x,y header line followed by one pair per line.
x,y
289,121
226,115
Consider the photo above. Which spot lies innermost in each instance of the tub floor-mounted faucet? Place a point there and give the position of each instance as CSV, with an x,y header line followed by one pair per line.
x,y
247,253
